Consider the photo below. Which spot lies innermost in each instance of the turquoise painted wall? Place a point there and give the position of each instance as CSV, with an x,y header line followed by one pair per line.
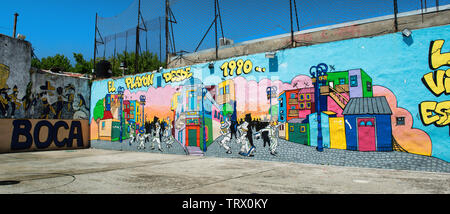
x,y
395,64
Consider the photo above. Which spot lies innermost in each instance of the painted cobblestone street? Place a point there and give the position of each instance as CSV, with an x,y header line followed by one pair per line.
x,y
293,152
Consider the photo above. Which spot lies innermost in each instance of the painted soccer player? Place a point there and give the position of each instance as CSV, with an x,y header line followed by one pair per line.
x,y
226,133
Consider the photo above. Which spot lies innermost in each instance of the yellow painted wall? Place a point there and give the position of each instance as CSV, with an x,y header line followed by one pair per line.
x,y
337,133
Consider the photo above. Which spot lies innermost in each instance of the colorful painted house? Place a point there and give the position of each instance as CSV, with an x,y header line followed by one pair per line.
x,y
337,133
292,104
282,107
306,102
314,126
126,109
298,131
190,114
226,96
368,124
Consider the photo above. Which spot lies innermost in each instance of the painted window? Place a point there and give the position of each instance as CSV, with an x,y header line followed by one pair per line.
x,y
308,96
400,121
103,125
302,129
293,95
362,123
291,128
308,105
227,89
158,81
221,90
354,81
292,107
192,100
281,102
369,123
341,81
369,86
302,97
302,106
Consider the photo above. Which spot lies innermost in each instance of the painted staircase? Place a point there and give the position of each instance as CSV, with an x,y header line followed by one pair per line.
x,y
193,150
340,99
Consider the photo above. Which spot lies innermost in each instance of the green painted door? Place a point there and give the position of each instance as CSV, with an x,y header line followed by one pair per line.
x,y
192,137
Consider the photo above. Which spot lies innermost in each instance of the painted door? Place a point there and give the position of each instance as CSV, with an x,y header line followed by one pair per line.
x,y
337,133
366,134
192,137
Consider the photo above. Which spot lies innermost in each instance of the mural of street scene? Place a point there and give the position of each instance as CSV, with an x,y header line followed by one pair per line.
x,y
260,107
265,120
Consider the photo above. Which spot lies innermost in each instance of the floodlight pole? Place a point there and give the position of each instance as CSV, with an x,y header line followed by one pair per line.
x,y
95,39
15,24
167,33
292,24
137,40
395,15
215,26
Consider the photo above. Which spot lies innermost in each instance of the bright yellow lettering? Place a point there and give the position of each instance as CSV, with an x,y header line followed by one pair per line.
x,y
435,86
426,112
111,87
437,58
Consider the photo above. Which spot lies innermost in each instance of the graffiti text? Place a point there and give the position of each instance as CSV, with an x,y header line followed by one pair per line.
x,y
139,81
23,135
239,66
434,112
177,75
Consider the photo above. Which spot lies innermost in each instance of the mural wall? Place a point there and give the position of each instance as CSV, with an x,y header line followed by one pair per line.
x,y
383,94
39,110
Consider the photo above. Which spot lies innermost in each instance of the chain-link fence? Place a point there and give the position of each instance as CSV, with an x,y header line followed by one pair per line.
x,y
197,25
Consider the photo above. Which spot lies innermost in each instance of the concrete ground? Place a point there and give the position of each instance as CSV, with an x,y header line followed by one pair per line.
x,y
118,172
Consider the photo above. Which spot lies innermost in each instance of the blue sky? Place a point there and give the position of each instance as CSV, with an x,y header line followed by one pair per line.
x,y
67,26
57,26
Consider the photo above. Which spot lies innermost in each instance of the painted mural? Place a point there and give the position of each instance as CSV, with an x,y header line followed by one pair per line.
x,y
46,96
368,98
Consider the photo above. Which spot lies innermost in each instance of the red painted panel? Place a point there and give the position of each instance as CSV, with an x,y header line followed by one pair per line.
x,y
366,134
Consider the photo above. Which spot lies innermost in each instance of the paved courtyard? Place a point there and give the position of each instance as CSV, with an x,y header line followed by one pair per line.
x,y
298,153
87,171
293,152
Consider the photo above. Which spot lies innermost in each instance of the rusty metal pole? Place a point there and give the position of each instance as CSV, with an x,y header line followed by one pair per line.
x,y
395,15
15,24
137,40
95,41
167,33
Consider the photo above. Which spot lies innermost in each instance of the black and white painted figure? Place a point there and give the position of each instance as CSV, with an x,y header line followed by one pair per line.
x,y
141,137
246,150
271,130
168,134
156,137
132,136
226,133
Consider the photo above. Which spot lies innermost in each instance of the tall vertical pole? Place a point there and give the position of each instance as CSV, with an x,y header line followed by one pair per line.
x,y
395,15
437,5
167,33
137,40
160,40
15,24
215,26
292,24
204,90
95,40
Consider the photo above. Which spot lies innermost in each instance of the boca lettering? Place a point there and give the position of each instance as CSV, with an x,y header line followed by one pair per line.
x,y
23,136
